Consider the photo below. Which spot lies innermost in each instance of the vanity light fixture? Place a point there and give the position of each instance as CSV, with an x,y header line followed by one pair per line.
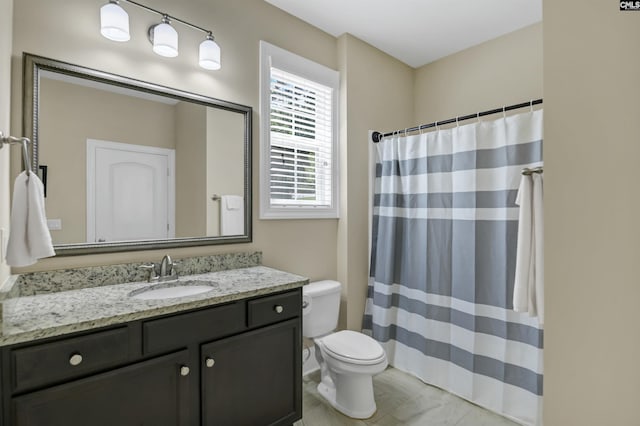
x,y
114,25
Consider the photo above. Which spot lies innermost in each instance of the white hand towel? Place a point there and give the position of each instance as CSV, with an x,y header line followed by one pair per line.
x,y
523,253
528,293
233,202
538,236
29,239
232,215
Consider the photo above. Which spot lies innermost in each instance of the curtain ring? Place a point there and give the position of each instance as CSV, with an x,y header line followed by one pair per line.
x,y
478,116
420,129
531,105
504,111
457,123
437,128
405,132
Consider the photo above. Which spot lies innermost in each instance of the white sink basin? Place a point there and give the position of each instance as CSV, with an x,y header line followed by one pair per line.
x,y
172,290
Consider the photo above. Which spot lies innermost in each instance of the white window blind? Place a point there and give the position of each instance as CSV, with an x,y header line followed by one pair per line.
x,y
298,137
301,142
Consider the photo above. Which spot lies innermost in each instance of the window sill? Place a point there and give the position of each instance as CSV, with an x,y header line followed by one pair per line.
x,y
288,214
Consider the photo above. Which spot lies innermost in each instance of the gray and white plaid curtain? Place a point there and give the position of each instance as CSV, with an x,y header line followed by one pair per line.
x,y
444,236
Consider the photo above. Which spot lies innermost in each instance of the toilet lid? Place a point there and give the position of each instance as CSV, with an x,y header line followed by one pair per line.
x,y
353,346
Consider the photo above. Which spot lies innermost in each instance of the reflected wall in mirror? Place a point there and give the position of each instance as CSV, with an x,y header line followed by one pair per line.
x,y
133,165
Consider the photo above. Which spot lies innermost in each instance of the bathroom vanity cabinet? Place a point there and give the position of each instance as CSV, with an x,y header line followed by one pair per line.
x,y
237,363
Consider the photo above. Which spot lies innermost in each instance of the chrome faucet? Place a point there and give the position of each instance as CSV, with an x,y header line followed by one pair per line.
x,y
163,272
166,266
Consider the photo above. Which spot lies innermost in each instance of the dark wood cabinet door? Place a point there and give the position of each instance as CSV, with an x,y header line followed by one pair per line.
x,y
149,393
253,379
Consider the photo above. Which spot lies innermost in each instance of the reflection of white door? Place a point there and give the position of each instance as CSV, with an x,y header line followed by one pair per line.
x,y
130,192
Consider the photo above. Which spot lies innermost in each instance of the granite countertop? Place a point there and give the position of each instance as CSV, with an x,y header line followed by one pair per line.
x,y
35,317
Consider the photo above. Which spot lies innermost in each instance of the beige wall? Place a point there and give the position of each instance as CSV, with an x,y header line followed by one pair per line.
x,y
6,13
214,167
592,232
191,165
376,95
225,161
42,27
503,71
63,147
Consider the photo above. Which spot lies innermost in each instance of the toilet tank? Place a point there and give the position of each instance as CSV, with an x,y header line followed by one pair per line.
x,y
321,306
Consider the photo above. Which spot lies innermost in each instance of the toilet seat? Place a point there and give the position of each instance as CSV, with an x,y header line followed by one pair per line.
x,y
353,347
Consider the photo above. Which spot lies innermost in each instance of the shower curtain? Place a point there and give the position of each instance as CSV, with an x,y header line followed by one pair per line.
x,y
443,250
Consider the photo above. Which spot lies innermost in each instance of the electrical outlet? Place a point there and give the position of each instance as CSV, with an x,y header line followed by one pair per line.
x,y
54,224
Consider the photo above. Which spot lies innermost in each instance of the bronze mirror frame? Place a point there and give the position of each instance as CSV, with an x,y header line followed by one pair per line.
x,y
34,65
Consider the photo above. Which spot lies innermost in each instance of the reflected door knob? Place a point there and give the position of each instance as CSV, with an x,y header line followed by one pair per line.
x,y
184,370
279,309
76,359
209,362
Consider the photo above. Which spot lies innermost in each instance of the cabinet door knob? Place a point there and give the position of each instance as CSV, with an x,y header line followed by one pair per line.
x,y
209,362
184,370
75,359
279,309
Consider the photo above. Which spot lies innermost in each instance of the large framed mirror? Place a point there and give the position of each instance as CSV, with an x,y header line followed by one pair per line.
x,y
131,165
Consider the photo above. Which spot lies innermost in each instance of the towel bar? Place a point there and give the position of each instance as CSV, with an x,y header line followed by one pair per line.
x,y
529,172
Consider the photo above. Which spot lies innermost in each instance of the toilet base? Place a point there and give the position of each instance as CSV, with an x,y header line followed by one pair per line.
x,y
355,390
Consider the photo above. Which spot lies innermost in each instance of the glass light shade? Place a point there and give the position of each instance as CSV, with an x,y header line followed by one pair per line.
x,y
165,40
114,22
209,55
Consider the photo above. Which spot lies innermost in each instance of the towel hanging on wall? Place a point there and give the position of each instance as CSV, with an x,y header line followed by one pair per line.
x,y
528,292
29,239
231,215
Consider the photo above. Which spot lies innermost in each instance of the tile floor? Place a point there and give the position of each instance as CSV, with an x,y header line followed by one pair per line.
x,y
402,400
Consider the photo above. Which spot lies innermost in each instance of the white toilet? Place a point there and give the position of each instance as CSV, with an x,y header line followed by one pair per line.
x,y
348,359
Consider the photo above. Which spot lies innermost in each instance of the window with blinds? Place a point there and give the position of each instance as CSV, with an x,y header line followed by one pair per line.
x,y
301,141
298,147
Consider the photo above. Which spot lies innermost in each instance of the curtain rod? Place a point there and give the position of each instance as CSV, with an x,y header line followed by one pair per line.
x,y
377,136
